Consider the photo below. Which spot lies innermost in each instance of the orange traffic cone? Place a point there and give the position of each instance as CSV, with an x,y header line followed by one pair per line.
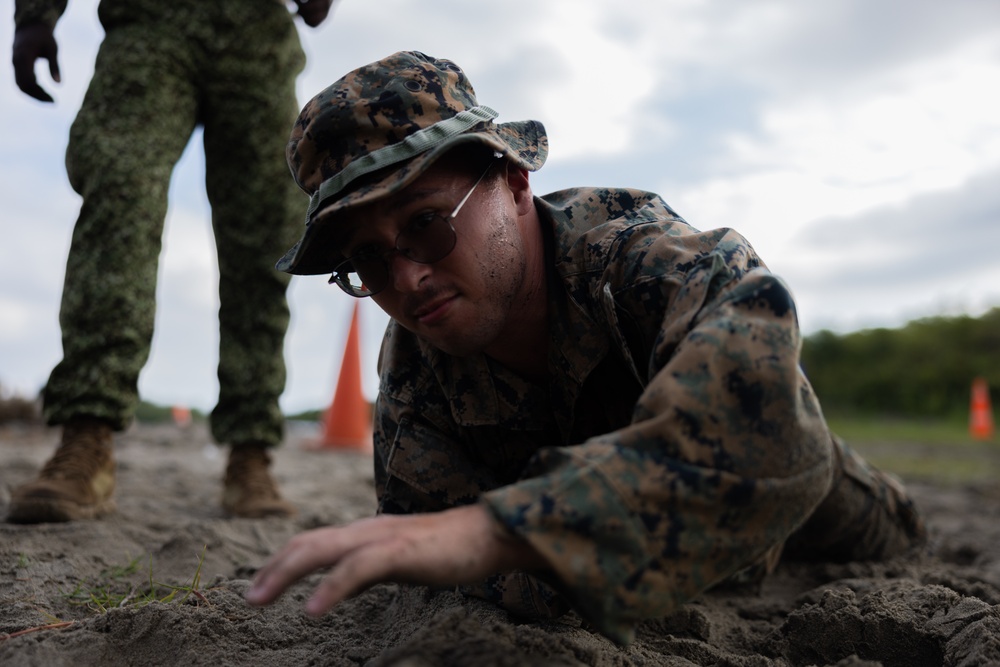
x,y
181,415
347,423
980,412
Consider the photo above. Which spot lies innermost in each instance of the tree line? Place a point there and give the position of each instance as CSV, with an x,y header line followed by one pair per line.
x,y
922,370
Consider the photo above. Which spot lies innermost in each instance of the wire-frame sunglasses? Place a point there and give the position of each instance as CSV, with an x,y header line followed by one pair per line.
x,y
427,239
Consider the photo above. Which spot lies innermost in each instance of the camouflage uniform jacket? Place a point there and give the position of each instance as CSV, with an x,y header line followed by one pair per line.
x,y
677,442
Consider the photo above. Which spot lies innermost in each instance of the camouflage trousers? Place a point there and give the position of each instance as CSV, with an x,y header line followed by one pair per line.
x,y
163,69
867,515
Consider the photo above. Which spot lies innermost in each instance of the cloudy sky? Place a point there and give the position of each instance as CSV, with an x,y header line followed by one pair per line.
x,y
856,143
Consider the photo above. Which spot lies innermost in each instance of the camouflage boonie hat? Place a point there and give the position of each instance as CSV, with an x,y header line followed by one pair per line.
x,y
406,111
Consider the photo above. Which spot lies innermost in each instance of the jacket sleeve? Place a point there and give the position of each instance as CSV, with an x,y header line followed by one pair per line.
x,y
38,11
727,452
430,472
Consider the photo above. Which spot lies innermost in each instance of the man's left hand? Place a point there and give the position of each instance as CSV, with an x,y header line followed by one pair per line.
x,y
313,12
456,546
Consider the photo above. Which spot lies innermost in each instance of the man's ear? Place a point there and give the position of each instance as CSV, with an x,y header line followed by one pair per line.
x,y
520,188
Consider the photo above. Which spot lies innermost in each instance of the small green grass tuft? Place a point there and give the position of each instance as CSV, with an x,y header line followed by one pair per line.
x,y
113,589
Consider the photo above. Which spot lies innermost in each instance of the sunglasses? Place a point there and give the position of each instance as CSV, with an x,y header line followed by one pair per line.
x,y
427,239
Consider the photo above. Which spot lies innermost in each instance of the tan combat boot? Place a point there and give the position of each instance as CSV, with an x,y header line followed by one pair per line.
x,y
76,483
249,490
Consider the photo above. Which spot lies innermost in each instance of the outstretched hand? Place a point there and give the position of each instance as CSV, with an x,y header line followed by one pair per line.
x,y
34,41
313,12
457,546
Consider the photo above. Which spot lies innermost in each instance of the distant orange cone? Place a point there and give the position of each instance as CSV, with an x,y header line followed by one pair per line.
x,y
181,415
347,423
980,412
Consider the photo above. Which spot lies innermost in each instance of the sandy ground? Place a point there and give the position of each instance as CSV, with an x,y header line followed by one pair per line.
x,y
938,608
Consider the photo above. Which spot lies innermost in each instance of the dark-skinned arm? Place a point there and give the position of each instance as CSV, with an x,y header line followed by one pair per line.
x,y
33,42
313,12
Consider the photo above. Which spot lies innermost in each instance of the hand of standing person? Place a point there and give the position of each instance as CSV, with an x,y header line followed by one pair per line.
x,y
32,42
456,546
313,12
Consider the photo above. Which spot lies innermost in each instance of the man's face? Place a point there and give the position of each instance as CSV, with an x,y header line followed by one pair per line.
x,y
460,304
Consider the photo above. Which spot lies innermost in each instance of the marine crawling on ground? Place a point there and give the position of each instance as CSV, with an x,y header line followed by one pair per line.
x,y
585,402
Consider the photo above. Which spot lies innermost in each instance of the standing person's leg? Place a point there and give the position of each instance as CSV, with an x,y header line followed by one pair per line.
x,y
256,210
129,133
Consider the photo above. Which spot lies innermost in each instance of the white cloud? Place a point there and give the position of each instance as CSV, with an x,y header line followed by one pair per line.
x,y
918,128
606,78
17,317
929,124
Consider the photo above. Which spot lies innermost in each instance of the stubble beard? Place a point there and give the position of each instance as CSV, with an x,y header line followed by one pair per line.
x,y
502,266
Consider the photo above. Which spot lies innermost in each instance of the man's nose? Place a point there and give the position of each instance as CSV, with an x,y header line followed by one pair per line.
x,y
407,274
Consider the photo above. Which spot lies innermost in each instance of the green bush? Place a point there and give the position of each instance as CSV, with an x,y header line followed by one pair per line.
x,y
921,371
